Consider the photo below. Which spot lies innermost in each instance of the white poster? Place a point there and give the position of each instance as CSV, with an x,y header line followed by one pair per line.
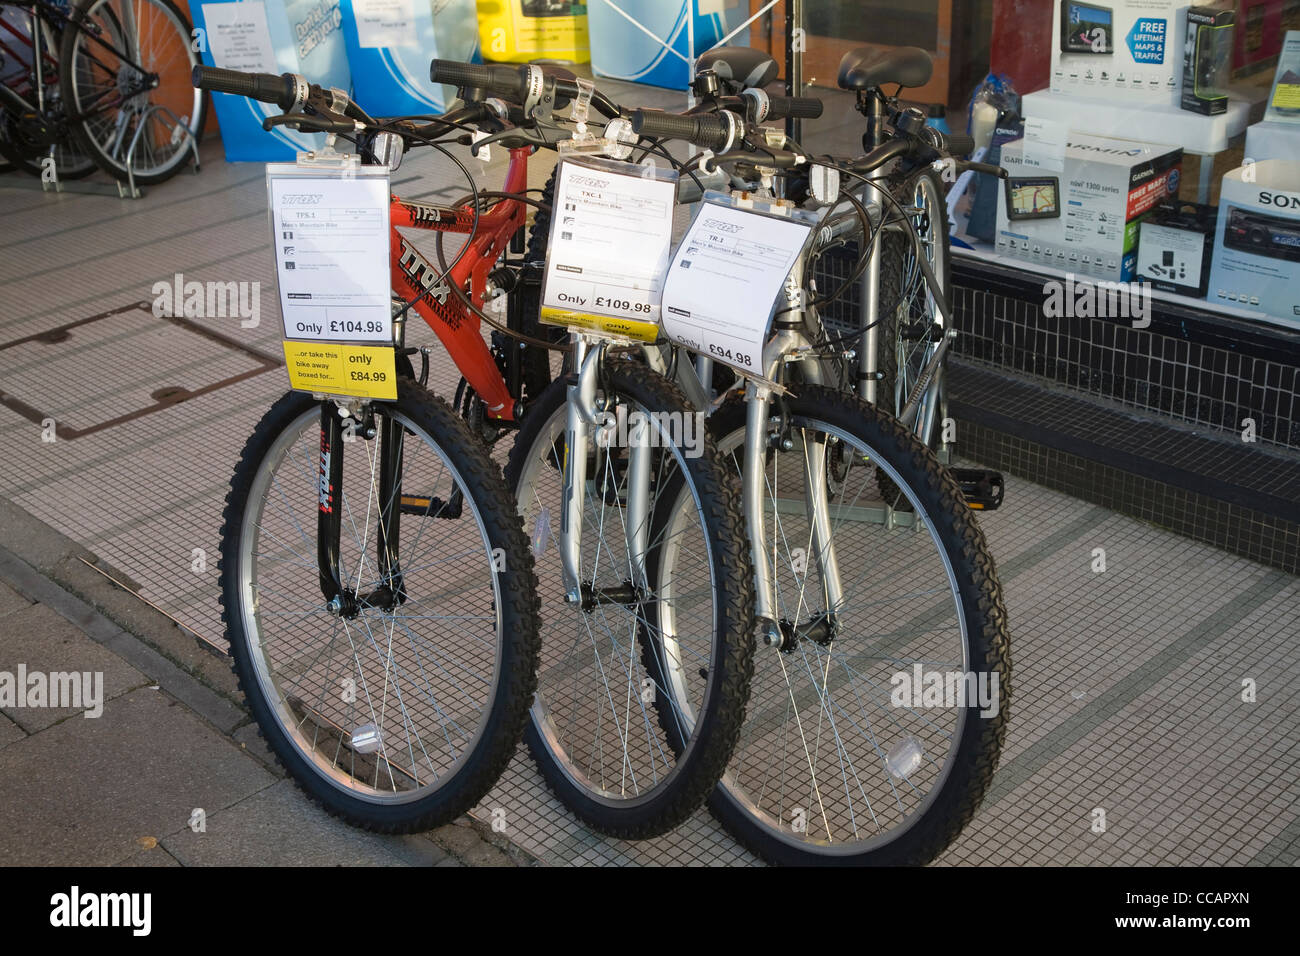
x,y
724,279
239,37
331,244
384,23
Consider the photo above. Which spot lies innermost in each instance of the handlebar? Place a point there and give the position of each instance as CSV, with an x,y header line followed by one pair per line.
x,y
767,107
267,87
514,83
714,131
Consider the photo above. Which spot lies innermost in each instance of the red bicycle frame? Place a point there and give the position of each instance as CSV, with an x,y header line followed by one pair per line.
x,y
456,326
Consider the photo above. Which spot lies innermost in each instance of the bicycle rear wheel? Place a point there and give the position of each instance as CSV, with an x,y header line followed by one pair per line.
x,y
623,765
126,73
398,708
911,326
837,763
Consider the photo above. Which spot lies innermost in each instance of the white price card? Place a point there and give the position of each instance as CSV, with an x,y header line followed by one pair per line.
x,y
239,37
611,236
384,23
724,279
330,238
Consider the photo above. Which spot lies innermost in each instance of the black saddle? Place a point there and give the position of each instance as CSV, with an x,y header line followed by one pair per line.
x,y
740,65
869,67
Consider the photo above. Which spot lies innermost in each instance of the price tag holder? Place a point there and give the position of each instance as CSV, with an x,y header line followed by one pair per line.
x,y
330,239
725,276
611,237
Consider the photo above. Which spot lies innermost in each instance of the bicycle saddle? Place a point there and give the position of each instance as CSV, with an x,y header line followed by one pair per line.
x,y
869,67
741,65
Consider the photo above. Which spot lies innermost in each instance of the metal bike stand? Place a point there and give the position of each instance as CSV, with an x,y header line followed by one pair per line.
x,y
139,128
123,190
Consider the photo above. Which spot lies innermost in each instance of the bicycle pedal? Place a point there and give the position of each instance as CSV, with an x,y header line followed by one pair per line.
x,y
434,507
982,488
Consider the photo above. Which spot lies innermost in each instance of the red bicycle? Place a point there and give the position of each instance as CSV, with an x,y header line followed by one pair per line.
x,y
376,584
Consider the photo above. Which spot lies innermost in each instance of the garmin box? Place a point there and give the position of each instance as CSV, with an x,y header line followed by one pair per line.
x,y
1207,60
1257,242
1102,193
1175,244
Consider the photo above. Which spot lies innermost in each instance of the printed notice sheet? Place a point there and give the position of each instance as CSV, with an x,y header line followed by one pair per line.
x,y
331,243
724,279
611,237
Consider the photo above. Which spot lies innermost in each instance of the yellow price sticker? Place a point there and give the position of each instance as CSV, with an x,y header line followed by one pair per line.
x,y
610,325
358,371
1287,96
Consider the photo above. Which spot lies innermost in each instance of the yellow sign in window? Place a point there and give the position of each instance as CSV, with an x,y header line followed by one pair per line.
x,y
360,371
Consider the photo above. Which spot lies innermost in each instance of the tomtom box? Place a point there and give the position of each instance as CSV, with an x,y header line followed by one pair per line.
x,y
1105,189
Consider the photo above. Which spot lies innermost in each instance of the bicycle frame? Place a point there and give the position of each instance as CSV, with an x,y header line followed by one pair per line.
x,y
456,326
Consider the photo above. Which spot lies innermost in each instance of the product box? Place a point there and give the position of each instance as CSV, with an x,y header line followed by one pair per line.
x,y
1084,219
1207,59
390,44
1257,242
276,36
1122,50
1175,244
517,31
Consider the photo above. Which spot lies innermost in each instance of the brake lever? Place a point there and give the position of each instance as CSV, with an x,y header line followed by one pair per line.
x,y
303,123
514,137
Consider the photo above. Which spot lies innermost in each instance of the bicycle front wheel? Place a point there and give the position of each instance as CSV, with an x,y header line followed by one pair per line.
x,y
397,706
848,754
629,756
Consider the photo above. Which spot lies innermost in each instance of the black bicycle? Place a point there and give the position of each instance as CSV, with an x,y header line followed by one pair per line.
x,y
98,83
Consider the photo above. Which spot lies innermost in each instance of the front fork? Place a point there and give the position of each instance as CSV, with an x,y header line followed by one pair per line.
x,y
339,597
759,433
582,416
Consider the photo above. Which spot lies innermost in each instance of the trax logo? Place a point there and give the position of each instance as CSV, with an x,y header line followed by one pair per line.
x,y
1279,200
423,275
323,482
421,212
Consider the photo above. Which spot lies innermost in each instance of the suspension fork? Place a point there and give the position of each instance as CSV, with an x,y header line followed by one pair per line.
x,y
580,415
758,408
329,520
391,436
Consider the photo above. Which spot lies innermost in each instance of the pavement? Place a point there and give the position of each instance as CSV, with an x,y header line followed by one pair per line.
x,y
171,772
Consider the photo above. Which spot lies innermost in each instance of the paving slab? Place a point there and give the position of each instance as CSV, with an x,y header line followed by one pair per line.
x,y
45,642
281,827
9,732
150,858
11,600
83,792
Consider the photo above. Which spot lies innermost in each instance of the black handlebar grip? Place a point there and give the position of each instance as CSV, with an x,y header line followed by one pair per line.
x,y
707,130
956,144
266,87
507,81
799,107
